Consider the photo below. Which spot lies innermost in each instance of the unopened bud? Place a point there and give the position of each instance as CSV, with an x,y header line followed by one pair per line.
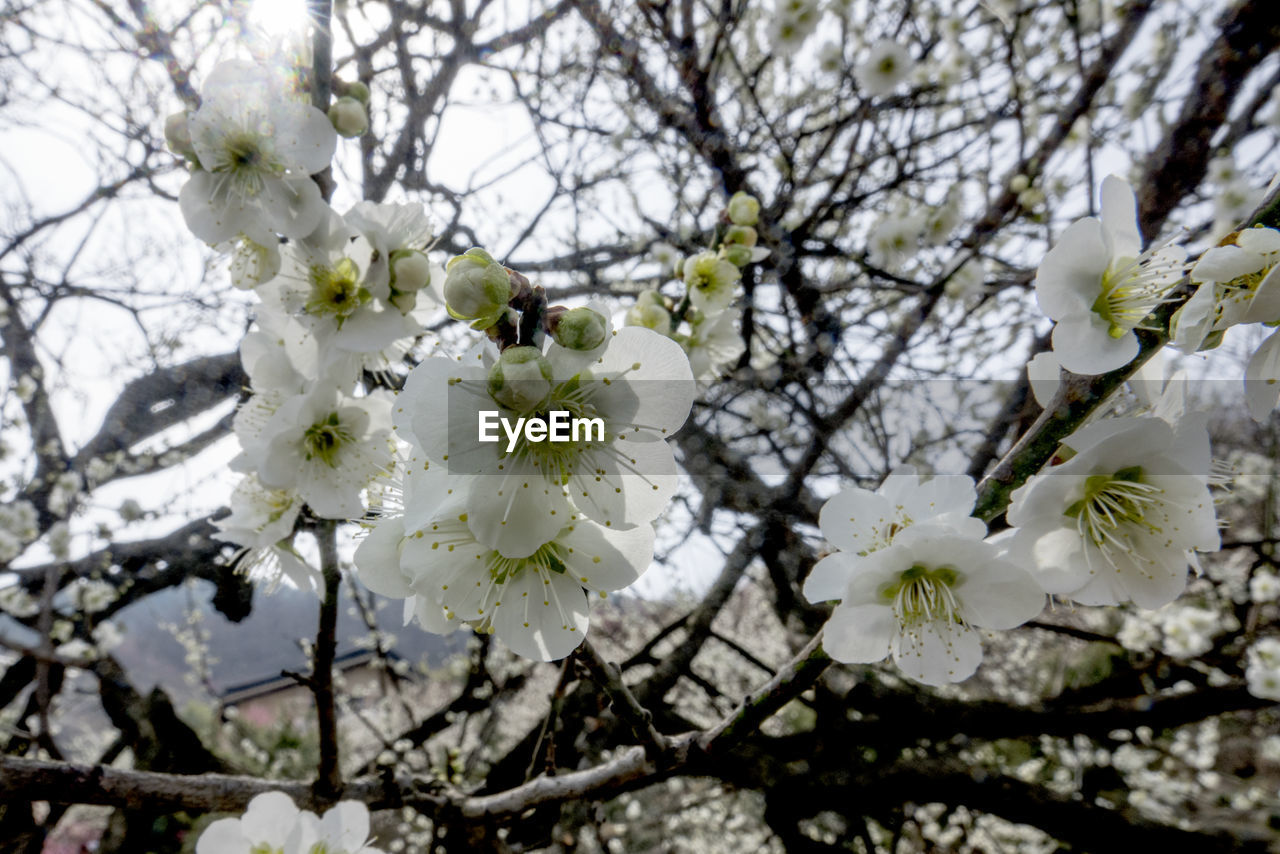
x,y
738,256
741,235
521,379
744,209
354,89
410,270
476,287
405,301
577,328
177,135
650,316
348,117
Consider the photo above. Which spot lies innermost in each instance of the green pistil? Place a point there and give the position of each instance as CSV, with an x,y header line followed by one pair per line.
x,y
264,848
547,558
324,439
558,460
923,594
1112,500
336,290
243,152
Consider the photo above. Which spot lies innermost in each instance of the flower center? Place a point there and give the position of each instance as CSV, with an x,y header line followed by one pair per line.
x,y
1111,502
923,595
335,290
246,157
558,460
545,559
264,848
1132,288
324,439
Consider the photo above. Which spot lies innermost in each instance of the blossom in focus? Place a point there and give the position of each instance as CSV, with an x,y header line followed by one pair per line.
x,y
712,282
1099,284
535,602
640,386
257,148
1121,519
920,600
859,522
325,445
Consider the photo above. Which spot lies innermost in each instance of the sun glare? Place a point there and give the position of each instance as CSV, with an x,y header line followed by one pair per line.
x,y
278,17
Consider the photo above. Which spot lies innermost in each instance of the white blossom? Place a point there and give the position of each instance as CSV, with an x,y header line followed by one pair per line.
x,y
273,824
1120,519
536,603
257,147
921,598
860,522
887,65
1099,285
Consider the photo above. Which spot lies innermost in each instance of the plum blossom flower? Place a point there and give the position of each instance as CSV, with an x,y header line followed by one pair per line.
x,y
859,522
712,282
534,600
1119,521
920,599
715,343
887,65
325,445
791,24
639,384
1240,284
273,824
1099,284
261,523
257,148
1262,669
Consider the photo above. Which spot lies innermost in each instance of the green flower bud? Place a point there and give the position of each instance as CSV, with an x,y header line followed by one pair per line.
x,y
348,117
476,287
521,379
740,235
354,89
743,209
177,135
577,328
738,256
410,270
405,302
650,316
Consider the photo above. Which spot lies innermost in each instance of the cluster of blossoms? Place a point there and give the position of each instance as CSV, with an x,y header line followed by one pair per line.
x,y
1118,517
1099,284
791,24
1238,284
273,824
705,321
510,531
344,295
915,578
899,236
17,528
1262,668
